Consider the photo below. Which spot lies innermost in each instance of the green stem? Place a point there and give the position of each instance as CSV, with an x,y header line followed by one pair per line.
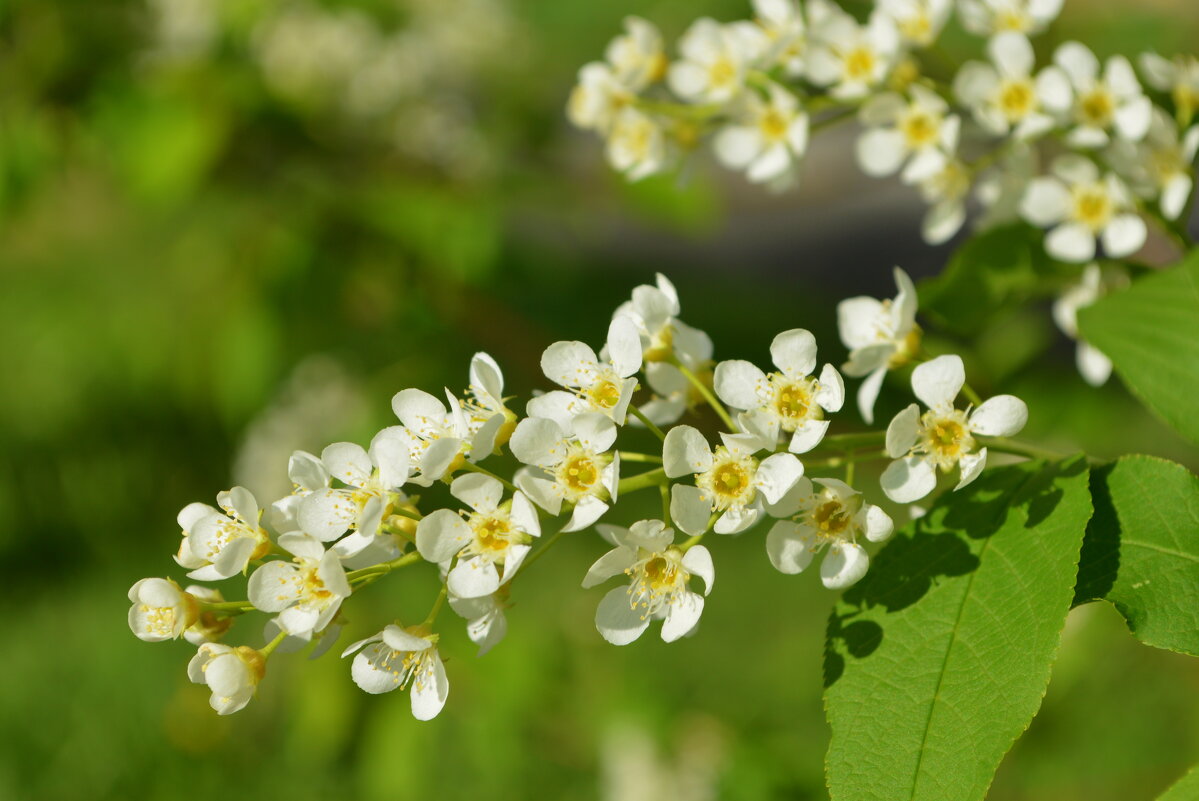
x,y
973,396
411,515
716,405
549,543
474,468
849,465
632,456
383,568
640,415
848,442
843,115
437,604
845,459
228,608
664,491
640,481
1006,445
270,647
680,111
688,544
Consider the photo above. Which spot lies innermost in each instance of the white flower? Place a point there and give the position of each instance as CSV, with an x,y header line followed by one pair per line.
x,y
1001,189
605,387
989,17
396,658
209,626
372,482
897,130
489,542
636,56
1162,165
1179,77
1005,97
919,21
881,335
791,400
730,481
161,611
1111,102
636,144
438,437
306,592
568,464
489,422
943,437
308,474
232,673
767,137
654,310
1095,367
782,22
945,192
1082,206
850,58
714,61
486,623
597,98
659,588
217,546
833,516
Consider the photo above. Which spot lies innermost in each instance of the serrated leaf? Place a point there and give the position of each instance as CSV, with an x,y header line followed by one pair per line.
x,y
1141,551
939,659
1185,789
1149,333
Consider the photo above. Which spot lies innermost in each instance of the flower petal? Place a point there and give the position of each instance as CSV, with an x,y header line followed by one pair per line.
x,y
617,620
790,546
736,382
908,480
1000,416
690,509
776,475
698,562
843,565
937,382
441,534
794,352
685,451
682,616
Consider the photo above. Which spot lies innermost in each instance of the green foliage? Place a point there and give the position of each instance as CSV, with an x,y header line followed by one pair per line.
x,y
939,659
1148,331
1141,551
989,274
1185,789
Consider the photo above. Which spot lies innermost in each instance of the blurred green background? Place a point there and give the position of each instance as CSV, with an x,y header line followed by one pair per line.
x,y
232,228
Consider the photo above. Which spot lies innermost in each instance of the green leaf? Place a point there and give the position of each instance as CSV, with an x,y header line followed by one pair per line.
x,y
1141,551
939,659
1185,789
991,272
1149,333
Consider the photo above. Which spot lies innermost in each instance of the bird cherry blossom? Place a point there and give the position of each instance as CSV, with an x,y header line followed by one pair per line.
x,y
217,546
399,658
569,465
1081,206
730,481
916,130
161,611
636,56
848,58
943,437
1004,95
1160,167
786,35
1093,365
231,673
881,335
945,191
919,21
439,438
790,401
991,17
486,623
490,541
833,516
636,144
605,387
1103,104
597,98
306,592
654,312
659,587
714,59
1178,77
768,135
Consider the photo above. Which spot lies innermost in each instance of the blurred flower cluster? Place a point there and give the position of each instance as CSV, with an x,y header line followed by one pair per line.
x,y
1117,148
356,514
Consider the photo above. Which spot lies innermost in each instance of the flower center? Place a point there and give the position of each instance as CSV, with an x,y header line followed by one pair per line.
x,y
493,533
830,518
312,586
1012,20
793,402
730,479
656,580
859,64
774,125
722,73
919,128
159,620
946,437
917,28
1017,98
604,394
1093,206
1096,108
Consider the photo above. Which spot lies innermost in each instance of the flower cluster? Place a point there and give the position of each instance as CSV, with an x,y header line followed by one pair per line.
x,y
759,87
357,514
